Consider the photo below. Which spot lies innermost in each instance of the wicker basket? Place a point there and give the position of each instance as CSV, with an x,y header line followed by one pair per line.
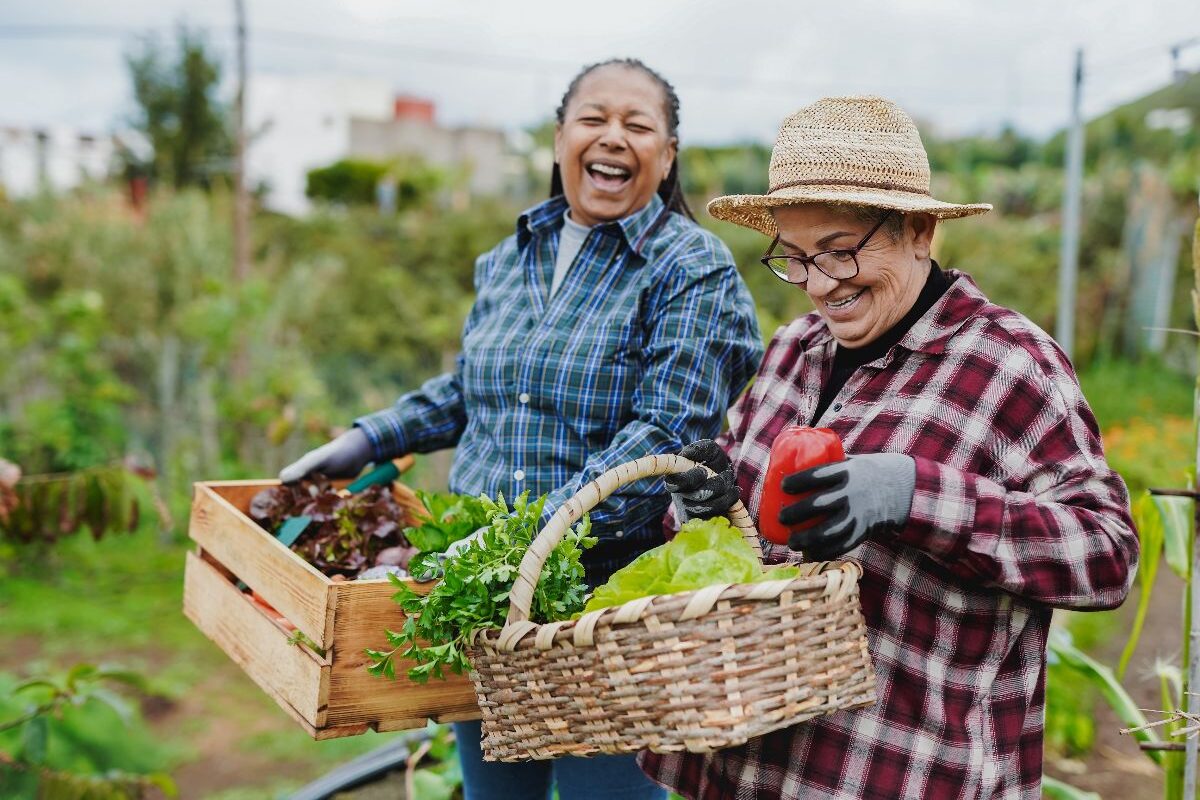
x,y
693,671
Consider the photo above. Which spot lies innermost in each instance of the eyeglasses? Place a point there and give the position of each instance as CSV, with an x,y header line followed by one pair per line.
x,y
837,264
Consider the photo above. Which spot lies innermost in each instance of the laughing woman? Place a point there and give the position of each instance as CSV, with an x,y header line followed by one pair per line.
x,y
610,326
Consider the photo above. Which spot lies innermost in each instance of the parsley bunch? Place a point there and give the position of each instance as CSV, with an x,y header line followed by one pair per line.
x,y
446,519
473,592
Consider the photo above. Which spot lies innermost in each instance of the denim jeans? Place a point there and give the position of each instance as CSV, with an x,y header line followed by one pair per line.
x,y
577,778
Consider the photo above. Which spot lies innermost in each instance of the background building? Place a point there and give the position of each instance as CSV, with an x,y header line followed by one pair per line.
x,y
300,123
54,158
412,130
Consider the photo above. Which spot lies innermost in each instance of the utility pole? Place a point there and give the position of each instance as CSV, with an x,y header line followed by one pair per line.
x,y
1190,700
239,362
1178,73
241,202
1068,261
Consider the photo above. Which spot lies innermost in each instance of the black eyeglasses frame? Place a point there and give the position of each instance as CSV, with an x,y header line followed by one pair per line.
x,y
811,261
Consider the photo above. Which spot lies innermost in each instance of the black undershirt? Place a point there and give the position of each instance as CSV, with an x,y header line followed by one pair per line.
x,y
846,359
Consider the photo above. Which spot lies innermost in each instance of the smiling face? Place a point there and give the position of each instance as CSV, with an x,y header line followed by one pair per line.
x,y
614,145
890,276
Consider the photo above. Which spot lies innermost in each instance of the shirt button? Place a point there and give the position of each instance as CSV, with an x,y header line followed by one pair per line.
x,y
619,534
523,397
519,475
837,406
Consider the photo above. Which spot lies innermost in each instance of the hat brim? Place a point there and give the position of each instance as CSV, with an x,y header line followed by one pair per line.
x,y
754,210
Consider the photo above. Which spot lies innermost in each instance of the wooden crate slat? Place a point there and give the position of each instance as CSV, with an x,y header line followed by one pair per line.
x,y
362,611
286,672
290,584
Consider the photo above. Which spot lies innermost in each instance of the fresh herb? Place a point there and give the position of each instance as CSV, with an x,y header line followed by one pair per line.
x,y
297,638
473,593
446,519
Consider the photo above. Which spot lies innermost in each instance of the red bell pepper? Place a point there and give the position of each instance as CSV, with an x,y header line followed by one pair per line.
x,y
797,448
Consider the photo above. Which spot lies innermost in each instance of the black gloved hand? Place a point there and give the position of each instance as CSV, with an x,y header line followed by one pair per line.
x,y
698,495
859,497
344,457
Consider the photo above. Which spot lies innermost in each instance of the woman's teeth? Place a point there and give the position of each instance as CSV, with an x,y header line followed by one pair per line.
x,y
605,169
843,302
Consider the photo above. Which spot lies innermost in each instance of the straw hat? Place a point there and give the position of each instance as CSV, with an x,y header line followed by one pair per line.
x,y
861,151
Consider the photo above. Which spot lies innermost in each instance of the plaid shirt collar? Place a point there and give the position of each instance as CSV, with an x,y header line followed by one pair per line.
x,y
636,229
937,326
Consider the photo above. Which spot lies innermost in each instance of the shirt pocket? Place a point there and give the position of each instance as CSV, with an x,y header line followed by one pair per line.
x,y
587,378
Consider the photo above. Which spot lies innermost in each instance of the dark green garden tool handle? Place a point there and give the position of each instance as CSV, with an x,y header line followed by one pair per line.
x,y
383,474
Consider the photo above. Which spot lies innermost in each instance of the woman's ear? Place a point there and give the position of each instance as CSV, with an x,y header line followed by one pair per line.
x,y
920,227
672,153
557,141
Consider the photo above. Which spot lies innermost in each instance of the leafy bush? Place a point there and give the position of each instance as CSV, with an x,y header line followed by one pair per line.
x,y
354,181
347,181
57,737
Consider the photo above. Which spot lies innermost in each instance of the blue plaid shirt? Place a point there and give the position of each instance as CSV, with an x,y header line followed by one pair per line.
x,y
649,339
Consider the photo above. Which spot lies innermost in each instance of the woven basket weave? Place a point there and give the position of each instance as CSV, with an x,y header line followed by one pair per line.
x,y
693,671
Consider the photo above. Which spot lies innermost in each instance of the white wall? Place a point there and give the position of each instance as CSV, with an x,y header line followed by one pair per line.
x,y
71,158
301,122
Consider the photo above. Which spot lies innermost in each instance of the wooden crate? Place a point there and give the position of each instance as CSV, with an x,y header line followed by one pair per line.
x,y
330,694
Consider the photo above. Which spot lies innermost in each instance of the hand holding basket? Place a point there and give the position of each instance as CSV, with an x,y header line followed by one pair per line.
x,y
694,671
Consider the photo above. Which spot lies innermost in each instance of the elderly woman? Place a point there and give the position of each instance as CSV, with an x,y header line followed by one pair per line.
x,y
975,495
609,326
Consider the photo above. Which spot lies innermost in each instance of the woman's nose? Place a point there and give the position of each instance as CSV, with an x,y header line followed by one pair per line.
x,y
819,284
613,135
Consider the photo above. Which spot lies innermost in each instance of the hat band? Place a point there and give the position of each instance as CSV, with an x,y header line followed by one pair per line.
x,y
894,187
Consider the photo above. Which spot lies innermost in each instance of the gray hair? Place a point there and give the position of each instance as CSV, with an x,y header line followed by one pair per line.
x,y
870,215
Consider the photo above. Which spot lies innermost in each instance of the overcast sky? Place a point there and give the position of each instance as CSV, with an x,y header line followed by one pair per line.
x,y
740,65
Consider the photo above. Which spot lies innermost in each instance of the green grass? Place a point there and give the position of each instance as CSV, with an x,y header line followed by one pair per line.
x,y
1121,391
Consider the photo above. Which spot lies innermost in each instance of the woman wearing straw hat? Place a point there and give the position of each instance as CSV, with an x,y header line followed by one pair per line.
x,y
975,495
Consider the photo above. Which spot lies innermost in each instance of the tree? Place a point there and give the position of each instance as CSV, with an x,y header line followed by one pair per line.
x,y
178,109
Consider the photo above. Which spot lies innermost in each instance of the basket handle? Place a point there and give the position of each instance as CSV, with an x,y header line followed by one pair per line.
x,y
588,498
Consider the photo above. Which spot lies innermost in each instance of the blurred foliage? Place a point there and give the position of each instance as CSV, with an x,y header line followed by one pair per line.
x,y
119,331
1070,725
357,181
386,295
48,507
732,169
57,737
175,89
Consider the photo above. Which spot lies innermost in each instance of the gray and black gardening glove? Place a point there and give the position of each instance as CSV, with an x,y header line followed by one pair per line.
x,y
344,457
698,495
853,499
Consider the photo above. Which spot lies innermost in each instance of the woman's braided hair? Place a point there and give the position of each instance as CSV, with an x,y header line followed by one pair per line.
x,y
670,190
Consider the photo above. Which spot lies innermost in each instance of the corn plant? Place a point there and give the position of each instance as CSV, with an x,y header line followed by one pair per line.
x,y
1166,532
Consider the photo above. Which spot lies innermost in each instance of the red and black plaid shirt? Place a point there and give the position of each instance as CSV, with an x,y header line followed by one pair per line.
x,y
1015,512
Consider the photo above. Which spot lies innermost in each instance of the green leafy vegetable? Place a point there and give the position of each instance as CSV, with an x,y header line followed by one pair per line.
x,y
473,592
447,518
346,534
703,553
